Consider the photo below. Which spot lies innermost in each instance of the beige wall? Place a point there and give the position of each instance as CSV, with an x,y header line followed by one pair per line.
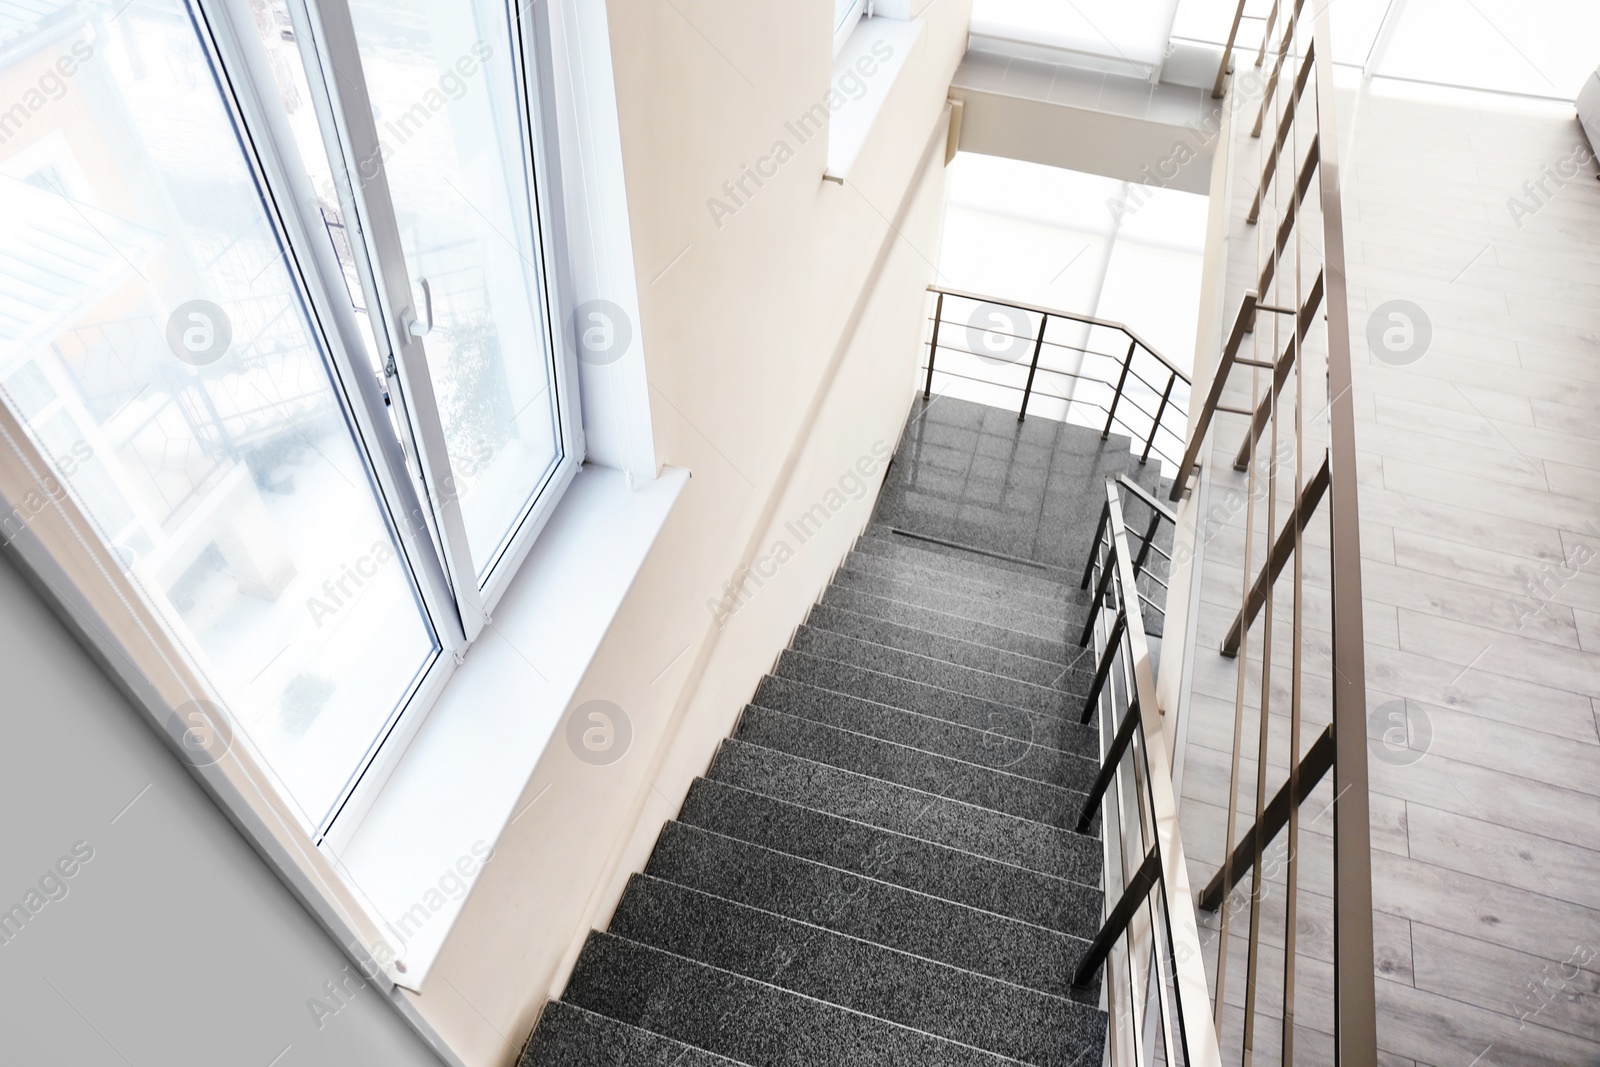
x,y
781,348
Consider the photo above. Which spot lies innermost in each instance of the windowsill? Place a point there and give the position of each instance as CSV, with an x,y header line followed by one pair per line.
x,y
459,780
861,63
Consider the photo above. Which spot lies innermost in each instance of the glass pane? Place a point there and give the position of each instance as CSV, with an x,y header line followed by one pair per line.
x,y
444,89
154,343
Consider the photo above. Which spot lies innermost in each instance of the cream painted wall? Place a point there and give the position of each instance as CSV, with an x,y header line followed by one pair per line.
x,y
782,341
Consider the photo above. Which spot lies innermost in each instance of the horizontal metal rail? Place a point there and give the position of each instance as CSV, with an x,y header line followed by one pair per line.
x,y
1316,764
1170,413
1282,548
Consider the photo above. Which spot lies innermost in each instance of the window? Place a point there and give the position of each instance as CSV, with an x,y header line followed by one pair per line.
x,y
846,13
319,457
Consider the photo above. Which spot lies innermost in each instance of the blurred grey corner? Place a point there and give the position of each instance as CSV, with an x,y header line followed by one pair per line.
x,y
1589,109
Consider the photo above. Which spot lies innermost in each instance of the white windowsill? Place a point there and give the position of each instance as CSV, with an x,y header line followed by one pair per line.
x,y
460,778
862,77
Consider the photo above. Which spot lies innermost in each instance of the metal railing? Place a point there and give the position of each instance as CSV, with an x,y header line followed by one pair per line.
x,y
1135,390
1148,943
1302,273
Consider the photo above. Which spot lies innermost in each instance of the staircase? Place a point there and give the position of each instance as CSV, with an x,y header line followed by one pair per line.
x,y
877,867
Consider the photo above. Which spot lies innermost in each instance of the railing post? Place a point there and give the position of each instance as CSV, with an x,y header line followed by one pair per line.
x,y
1108,767
1094,546
933,349
1106,659
1155,423
1122,379
1033,367
1099,597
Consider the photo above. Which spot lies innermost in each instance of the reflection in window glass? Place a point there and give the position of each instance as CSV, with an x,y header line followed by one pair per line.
x,y
154,344
444,90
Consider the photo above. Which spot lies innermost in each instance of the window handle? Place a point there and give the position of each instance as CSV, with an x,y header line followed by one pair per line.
x,y
413,326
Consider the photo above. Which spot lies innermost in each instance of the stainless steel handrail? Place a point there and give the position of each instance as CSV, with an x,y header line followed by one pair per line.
x,y
1159,421
1341,748
1149,912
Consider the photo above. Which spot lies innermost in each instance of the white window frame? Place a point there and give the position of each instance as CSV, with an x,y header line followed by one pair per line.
x,y
328,42
597,544
859,9
426,521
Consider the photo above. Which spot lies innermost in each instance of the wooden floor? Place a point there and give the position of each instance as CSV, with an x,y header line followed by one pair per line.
x,y
1480,526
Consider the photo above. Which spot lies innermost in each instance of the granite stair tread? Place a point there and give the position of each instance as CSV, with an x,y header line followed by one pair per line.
x,y
1014,743
988,787
945,624
900,534
931,997
858,700
757,1023
570,1036
964,937
1052,628
936,646
937,870
1051,604
931,671
904,810
1040,581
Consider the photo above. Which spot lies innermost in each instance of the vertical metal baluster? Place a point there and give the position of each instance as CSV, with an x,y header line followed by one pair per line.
x,y
1156,422
1033,367
933,349
1116,396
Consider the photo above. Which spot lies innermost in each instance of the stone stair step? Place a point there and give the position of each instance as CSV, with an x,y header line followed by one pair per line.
x,y
1057,650
991,735
970,783
936,870
867,654
940,930
934,998
940,647
569,1036
1016,594
903,810
1055,628
1041,581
